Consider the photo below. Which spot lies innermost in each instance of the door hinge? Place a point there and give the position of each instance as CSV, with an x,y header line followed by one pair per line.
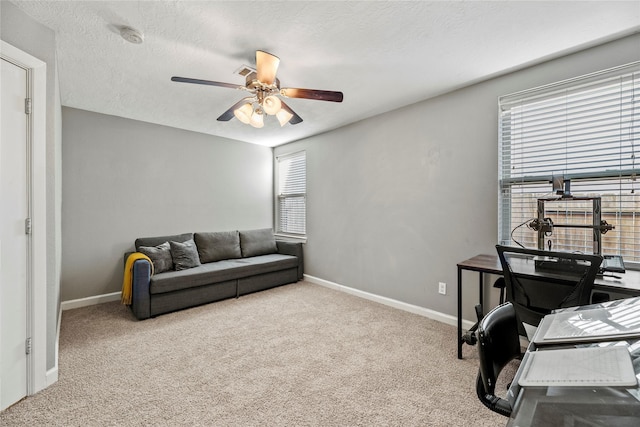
x,y
27,105
27,346
27,226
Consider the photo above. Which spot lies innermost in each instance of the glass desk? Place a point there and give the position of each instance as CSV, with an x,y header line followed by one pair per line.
x,y
583,405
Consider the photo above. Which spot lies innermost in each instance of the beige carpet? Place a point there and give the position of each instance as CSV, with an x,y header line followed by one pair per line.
x,y
297,355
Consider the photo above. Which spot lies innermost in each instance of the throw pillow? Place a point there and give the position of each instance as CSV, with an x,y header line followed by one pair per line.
x,y
185,255
218,246
155,241
258,242
160,256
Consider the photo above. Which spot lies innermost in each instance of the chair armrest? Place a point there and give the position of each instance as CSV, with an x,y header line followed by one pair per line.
x,y
141,298
293,249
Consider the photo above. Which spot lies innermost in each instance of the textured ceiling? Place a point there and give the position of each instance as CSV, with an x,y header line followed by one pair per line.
x,y
382,55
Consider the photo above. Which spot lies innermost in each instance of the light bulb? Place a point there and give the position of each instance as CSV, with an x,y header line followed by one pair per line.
x,y
271,105
257,119
244,113
283,116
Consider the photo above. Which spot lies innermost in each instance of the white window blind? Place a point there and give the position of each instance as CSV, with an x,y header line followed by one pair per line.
x,y
587,131
291,193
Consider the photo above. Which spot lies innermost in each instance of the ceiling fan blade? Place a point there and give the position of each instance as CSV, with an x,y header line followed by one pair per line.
x,y
266,67
320,95
205,82
228,115
296,118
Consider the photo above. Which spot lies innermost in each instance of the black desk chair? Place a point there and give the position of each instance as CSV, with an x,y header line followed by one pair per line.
x,y
538,282
498,344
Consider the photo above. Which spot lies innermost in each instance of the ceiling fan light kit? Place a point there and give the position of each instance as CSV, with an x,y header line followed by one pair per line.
x,y
284,116
244,113
272,105
257,119
265,91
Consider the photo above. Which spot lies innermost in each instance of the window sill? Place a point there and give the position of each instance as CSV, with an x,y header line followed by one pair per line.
x,y
291,238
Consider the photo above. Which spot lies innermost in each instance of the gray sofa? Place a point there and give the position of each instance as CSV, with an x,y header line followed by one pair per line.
x,y
198,268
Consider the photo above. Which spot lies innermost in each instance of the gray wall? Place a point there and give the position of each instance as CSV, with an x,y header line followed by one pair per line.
x,y
394,202
21,31
124,179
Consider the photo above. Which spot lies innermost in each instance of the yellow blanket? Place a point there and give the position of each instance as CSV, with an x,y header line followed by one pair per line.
x,y
127,282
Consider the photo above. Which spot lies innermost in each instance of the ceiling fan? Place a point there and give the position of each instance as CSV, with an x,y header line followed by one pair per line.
x,y
264,88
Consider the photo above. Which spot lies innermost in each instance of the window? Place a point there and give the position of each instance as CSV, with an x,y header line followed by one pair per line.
x,y
585,130
291,194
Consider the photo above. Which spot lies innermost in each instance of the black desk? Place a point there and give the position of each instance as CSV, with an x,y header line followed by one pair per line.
x,y
605,406
628,284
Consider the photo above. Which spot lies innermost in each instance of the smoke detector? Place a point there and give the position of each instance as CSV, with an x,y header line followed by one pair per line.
x,y
131,35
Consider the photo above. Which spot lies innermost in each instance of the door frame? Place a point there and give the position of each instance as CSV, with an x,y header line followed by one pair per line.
x,y
37,289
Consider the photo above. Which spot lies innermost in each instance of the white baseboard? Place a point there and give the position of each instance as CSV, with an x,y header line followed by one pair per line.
x,y
84,302
52,374
415,309
422,311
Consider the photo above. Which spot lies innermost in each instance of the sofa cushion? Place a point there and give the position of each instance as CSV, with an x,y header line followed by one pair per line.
x,y
185,255
218,246
155,241
204,274
219,272
258,242
160,256
261,264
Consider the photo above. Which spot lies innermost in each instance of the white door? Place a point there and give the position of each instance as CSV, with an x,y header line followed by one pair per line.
x,y
14,244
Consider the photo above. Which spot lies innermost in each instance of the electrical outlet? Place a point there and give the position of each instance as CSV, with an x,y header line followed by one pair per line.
x,y
442,288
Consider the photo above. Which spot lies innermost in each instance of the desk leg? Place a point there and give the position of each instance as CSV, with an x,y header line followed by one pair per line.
x,y
460,312
481,289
